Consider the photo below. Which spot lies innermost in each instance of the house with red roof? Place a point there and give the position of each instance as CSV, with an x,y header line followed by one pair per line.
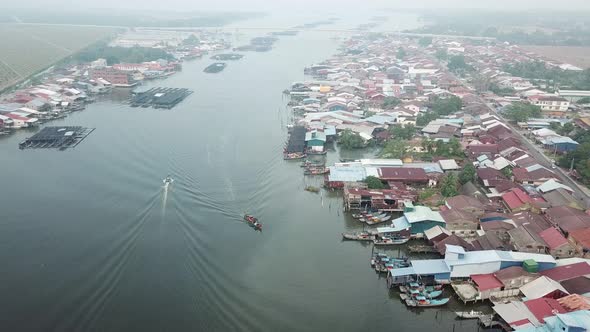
x,y
544,307
580,238
535,175
486,284
567,272
406,175
569,219
557,245
517,200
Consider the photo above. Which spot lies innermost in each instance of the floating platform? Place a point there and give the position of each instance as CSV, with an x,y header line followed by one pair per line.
x,y
56,138
227,56
215,67
159,97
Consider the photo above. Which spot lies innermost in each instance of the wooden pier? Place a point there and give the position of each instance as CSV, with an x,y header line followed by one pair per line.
x,y
421,248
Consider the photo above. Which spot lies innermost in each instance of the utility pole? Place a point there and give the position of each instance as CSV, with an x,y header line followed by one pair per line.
x,y
572,165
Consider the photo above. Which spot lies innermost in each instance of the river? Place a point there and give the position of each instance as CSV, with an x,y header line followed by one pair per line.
x,y
90,240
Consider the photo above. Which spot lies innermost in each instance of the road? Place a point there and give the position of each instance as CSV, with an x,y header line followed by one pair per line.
x,y
537,152
580,192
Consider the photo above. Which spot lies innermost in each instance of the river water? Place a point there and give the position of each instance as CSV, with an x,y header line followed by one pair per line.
x,y
90,240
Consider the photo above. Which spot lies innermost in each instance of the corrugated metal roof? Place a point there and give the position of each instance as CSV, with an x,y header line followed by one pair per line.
x,y
541,287
423,213
346,174
430,266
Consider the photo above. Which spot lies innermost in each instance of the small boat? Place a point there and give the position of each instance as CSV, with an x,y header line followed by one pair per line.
x,y
469,314
386,241
215,67
358,236
253,222
428,294
422,301
168,180
293,156
312,189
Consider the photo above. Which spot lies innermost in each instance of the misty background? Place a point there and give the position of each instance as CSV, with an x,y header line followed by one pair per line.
x,y
309,5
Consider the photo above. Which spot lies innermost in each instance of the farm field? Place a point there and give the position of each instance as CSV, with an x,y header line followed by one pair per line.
x,y
574,55
30,48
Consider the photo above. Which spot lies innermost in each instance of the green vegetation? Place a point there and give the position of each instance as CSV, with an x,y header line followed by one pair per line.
x,y
442,55
449,185
350,140
580,156
521,112
374,183
564,130
553,77
502,91
390,102
451,149
402,132
425,41
394,149
458,65
507,171
192,40
439,107
115,55
427,193
467,174
585,100
401,53
29,49
567,28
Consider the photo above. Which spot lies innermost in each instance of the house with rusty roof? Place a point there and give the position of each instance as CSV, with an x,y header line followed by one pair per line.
x,y
557,245
567,272
580,238
515,277
567,218
466,204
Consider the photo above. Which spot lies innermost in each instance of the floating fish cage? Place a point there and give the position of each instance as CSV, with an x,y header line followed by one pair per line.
x,y
160,97
56,138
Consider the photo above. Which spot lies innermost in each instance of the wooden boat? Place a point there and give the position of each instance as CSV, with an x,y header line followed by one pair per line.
x,y
428,294
386,241
312,189
293,156
421,301
377,220
358,236
253,222
469,314
316,171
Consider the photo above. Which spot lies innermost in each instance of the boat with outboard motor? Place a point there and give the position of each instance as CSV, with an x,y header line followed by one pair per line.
x,y
253,222
168,180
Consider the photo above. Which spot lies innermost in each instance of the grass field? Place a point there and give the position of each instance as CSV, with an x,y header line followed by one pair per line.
x,y
29,48
577,56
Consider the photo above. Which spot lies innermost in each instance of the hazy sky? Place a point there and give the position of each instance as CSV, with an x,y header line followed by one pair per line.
x,y
259,5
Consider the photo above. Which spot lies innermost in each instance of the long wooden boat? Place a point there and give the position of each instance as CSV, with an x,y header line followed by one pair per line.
x,y
469,314
423,302
428,294
293,156
358,236
386,241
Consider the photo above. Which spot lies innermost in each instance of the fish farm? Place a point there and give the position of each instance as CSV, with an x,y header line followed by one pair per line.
x,y
227,56
159,97
56,138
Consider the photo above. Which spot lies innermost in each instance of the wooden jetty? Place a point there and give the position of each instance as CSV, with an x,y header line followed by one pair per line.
x,y
159,97
421,248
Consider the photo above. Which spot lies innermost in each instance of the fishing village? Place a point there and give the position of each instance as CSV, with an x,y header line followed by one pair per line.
x,y
471,187
473,197
70,86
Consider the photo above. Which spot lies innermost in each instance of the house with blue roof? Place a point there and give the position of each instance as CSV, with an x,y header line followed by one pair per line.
x,y
460,264
421,218
575,321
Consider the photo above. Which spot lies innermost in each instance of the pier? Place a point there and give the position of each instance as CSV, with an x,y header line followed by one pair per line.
x,y
56,138
160,97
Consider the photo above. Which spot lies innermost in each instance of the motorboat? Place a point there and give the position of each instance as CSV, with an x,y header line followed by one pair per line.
x,y
468,314
253,222
358,236
387,241
168,180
